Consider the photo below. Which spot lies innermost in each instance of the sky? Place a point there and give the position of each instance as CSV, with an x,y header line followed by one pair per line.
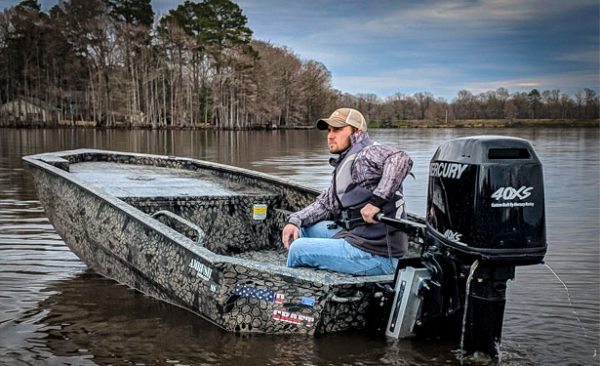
x,y
443,46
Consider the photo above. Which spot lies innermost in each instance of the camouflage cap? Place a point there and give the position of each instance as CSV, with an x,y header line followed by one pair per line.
x,y
343,117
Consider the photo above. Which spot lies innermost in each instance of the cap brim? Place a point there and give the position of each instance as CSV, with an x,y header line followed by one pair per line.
x,y
323,123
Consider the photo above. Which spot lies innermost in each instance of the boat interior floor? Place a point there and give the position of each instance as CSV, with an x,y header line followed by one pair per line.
x,y
225,210
130,180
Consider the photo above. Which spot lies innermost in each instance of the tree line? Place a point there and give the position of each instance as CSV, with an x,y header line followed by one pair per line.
x,y
116,63
491,105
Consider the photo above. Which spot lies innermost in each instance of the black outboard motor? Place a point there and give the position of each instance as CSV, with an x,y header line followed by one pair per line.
x,y
486,200
485,203
485,215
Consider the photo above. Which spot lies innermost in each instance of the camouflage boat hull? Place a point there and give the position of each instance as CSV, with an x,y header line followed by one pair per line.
x,y
200,235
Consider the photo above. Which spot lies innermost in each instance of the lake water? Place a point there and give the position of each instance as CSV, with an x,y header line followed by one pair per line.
x,y
53,311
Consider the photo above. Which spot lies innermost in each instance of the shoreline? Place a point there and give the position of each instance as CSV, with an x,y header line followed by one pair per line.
x,y
476,123
489,123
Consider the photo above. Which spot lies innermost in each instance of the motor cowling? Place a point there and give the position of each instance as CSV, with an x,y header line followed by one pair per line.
x,y
486,200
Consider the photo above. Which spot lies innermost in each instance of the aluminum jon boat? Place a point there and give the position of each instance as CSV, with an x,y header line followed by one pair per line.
x,y
200,235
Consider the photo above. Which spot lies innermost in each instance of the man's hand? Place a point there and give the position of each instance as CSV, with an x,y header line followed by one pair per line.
x,y
368,213
289,232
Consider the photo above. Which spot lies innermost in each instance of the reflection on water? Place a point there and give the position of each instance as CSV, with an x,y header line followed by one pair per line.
x,y
53,311
100,321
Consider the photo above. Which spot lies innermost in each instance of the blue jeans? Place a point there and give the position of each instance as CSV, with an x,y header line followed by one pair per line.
x,y
315,248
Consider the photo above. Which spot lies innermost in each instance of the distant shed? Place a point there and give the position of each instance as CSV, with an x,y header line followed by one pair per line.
x,y
28,112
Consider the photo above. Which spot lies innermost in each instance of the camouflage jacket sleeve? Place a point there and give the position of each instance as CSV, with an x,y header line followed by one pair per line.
x,y
391,165
324,207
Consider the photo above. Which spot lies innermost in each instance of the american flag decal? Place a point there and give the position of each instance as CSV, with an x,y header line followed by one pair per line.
x,y
259,294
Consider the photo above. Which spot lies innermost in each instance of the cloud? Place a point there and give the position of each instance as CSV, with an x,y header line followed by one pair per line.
x,y
483,15
587,56
568,82
339,34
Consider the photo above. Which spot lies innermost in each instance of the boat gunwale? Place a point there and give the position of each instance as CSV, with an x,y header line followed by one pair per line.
x,y
323,277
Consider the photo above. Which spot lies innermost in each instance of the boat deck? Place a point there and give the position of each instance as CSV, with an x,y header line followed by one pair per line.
x,y
191,195
128,180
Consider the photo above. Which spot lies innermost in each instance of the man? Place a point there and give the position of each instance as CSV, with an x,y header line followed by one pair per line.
x,y
339,231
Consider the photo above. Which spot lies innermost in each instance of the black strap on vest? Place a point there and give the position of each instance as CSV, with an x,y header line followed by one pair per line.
x,y
351,218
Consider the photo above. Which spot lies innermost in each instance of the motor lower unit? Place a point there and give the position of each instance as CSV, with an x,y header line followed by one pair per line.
x,y
407,302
